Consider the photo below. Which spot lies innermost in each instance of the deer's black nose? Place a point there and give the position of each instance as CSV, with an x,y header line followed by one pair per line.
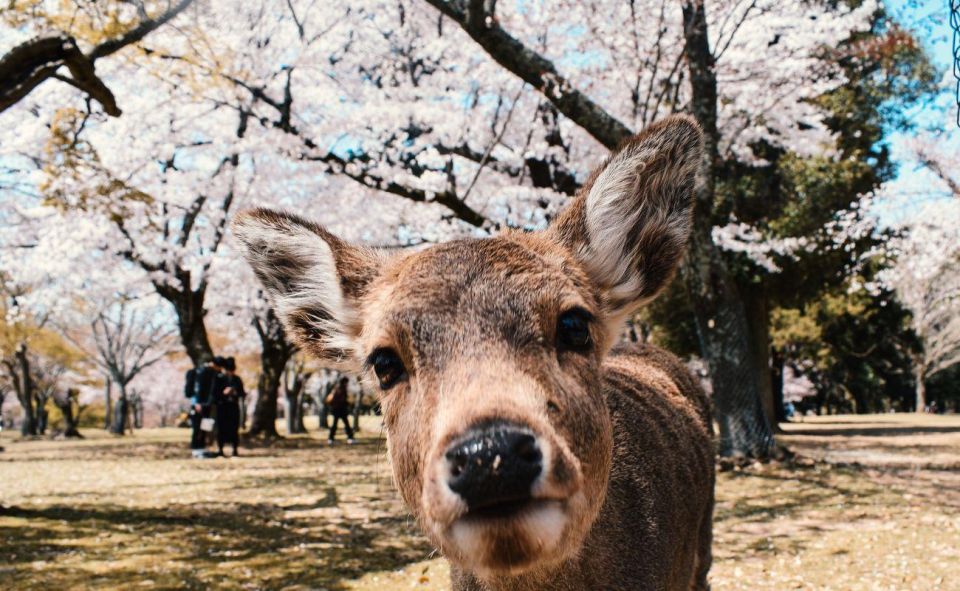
x,y
494,467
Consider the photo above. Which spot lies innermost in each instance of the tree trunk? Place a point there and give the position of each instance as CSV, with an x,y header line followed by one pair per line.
x,y
275,351
920,374
758,319
243,412
42,416
777,366
323,413
293,404
120,412
137,408
28,425
70,419
190,322
721,317
107,404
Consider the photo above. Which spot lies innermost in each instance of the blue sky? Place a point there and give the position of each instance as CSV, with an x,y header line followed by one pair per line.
x,y
930,22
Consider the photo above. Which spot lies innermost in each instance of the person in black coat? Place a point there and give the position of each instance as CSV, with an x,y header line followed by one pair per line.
x,y
337,403
199,389
229,395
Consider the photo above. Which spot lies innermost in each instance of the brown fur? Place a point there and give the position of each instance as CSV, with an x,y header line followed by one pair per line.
x,y
625,498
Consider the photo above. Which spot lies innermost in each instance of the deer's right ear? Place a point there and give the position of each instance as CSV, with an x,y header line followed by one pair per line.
x,y
314,279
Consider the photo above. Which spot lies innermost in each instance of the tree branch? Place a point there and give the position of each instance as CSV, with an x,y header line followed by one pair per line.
x,y
446,198
29,64
478,20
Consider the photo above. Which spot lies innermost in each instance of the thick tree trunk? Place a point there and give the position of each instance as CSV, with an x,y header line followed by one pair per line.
x,y
28,425
275,351
721,317
920,374
758,320
193,329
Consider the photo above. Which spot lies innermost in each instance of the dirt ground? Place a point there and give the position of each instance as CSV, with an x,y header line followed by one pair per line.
x,y
878,510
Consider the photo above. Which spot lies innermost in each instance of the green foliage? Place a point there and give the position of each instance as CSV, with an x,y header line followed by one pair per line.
x,y
855,348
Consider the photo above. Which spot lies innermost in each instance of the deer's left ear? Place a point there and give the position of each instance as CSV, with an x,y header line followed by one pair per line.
x,y
629,224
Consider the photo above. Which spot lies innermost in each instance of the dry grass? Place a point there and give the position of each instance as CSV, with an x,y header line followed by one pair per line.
x,y
136,513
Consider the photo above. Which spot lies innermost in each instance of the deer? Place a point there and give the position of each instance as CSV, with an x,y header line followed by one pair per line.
x,y
533,448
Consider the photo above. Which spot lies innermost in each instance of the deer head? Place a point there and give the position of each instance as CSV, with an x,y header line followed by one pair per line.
x,y
488,352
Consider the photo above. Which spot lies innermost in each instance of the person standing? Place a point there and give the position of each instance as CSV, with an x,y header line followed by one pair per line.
x,y
199,388
228,396
337,403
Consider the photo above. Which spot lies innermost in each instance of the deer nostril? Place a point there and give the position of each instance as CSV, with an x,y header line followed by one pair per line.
x,y
493,466
527,450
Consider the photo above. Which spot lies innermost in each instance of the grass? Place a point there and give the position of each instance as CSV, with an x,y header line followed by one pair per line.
x,y
881,512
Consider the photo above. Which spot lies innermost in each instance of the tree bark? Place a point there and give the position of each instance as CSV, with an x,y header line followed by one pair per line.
x,y
70,419
293,403
137,408
275,352
758,321
188,305
357,407
108,404
42,417
120,412
920,374
29,64
24,384
720,313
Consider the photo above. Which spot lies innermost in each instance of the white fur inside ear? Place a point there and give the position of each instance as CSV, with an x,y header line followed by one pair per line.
x,y
638,211
299,270
612,213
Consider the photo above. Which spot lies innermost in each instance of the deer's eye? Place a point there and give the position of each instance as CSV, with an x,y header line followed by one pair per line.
x,y
388,367
573,330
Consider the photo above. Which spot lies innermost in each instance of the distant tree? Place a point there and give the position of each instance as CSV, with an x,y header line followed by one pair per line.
x,y
125,340
936,152
275,353
68,402
296,376
926,278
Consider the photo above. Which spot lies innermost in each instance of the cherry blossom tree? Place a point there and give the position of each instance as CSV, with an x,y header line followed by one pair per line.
x,y
383,118
938,153
926,278
127,339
